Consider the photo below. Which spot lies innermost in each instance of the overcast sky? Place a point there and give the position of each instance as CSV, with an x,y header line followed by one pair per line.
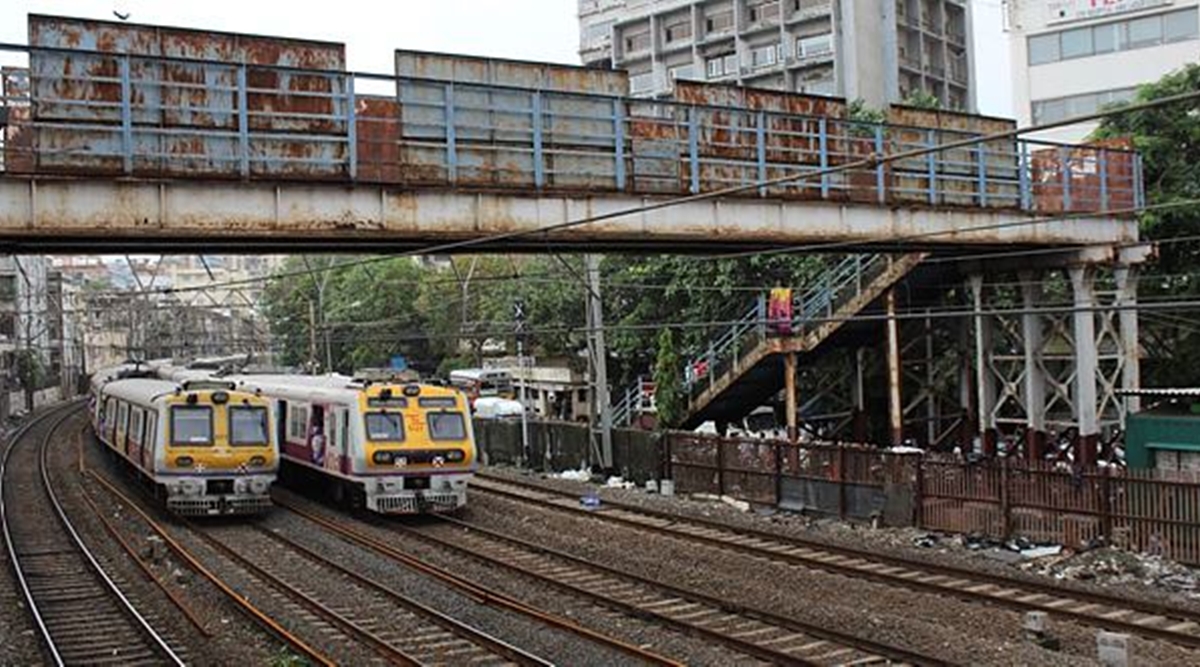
x,y
371,29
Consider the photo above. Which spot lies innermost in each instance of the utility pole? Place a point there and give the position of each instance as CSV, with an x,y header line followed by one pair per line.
x,y
312,336
519,325
598,355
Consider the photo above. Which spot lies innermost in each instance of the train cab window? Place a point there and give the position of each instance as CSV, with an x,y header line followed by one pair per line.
x,y
191,425
387,426
247,426
446,426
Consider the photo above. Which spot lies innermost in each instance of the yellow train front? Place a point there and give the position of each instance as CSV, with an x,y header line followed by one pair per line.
x,y
388,447
205,447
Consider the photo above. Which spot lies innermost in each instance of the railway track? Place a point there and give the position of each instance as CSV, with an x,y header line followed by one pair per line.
x,y
755,632
473,590
401,628
79,610
1145,619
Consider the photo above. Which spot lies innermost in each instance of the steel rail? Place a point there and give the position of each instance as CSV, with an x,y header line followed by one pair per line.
x,y
878,649
260,617
473,590
453,625
56,417
1164,622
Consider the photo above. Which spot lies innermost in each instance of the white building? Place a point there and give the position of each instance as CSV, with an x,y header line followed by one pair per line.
x,y
882,51
1072,57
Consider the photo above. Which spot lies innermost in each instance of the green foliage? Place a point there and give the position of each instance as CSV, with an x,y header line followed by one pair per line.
x,y
668,389
859,111
285,658
31,373
1168,138
922,99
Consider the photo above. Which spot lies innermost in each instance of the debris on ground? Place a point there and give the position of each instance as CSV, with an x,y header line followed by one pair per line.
x,y
581,475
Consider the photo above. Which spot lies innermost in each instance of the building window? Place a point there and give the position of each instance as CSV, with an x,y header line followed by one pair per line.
x,y
1117,36
1076,43
635,42
719,21
764,56
8,288
1061,108
722,65
814,47
641,83
681,72
678,31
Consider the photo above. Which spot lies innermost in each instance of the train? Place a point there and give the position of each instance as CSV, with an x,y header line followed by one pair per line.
x,y
377,444
204,446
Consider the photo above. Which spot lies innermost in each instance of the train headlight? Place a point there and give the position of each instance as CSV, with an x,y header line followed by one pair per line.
x,y
174,488
456,456
258,485
240,485
383,458
184,461
258,461
192,487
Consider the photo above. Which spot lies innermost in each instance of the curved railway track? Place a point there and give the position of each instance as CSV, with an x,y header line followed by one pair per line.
x,y
1145,619
81,614
755,632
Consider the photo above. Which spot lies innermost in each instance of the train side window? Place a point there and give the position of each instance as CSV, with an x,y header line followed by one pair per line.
x,y
151,433
446,426
297,423
110,423
135,426
122,421
191,425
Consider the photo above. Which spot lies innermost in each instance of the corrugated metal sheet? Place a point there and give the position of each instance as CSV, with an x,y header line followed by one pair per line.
x,y
171,95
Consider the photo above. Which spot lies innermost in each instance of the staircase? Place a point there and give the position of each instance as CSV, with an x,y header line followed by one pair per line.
x,y
742,366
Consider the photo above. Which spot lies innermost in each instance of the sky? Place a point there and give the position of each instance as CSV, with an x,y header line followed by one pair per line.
x,y
545,30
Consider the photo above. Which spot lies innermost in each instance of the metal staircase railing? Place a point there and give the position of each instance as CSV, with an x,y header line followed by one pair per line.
x,y
835,287
842,282
635,401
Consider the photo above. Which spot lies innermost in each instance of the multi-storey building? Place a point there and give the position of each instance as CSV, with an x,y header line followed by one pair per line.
x,y
1072,57
881,51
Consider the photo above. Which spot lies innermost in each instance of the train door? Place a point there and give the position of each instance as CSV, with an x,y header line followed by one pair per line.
x,y
122,427
318,434
339,439
134,445
281,424
150,441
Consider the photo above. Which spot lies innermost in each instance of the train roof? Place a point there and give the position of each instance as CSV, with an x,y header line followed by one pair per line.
x,y
139,390
332,387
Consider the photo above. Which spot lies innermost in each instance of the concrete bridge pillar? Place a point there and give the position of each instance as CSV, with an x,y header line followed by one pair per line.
x,y
985,387
1086,363
895,404
1035,372
789,388
1126,279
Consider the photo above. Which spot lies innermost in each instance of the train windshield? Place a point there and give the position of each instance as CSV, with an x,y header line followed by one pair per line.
x,y
388,426
247,426
191,425
447,426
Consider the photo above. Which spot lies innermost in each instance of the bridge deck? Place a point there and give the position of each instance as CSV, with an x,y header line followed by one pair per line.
x,y
144,149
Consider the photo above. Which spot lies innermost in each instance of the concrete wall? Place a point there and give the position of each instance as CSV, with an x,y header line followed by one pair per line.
x,y
559,446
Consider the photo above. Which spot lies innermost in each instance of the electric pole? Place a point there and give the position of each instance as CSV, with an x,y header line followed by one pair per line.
x,y
519,326
598,354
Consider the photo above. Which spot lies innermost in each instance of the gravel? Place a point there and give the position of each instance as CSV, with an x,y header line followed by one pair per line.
x,y
19,644
537,638
874,610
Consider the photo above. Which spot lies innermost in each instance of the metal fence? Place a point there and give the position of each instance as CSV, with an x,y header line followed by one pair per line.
x,y
1144,510
116,114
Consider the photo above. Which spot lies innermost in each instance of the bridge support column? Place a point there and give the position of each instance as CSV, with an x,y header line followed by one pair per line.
x,y
1035,374
985,388
789,384
895,406
858,393
1086,363
1131,375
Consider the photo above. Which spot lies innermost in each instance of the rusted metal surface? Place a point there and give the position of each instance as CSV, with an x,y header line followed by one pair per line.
x,y
378,135
167,93
1084,178
18,135
514,73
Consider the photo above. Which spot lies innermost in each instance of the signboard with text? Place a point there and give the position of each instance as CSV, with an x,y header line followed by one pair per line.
x,y
1062,11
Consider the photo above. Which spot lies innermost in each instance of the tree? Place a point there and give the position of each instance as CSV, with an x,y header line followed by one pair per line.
x,y
668,390
1168,138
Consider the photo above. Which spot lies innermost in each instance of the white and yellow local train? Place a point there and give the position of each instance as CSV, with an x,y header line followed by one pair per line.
x,y
206,447
389,447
